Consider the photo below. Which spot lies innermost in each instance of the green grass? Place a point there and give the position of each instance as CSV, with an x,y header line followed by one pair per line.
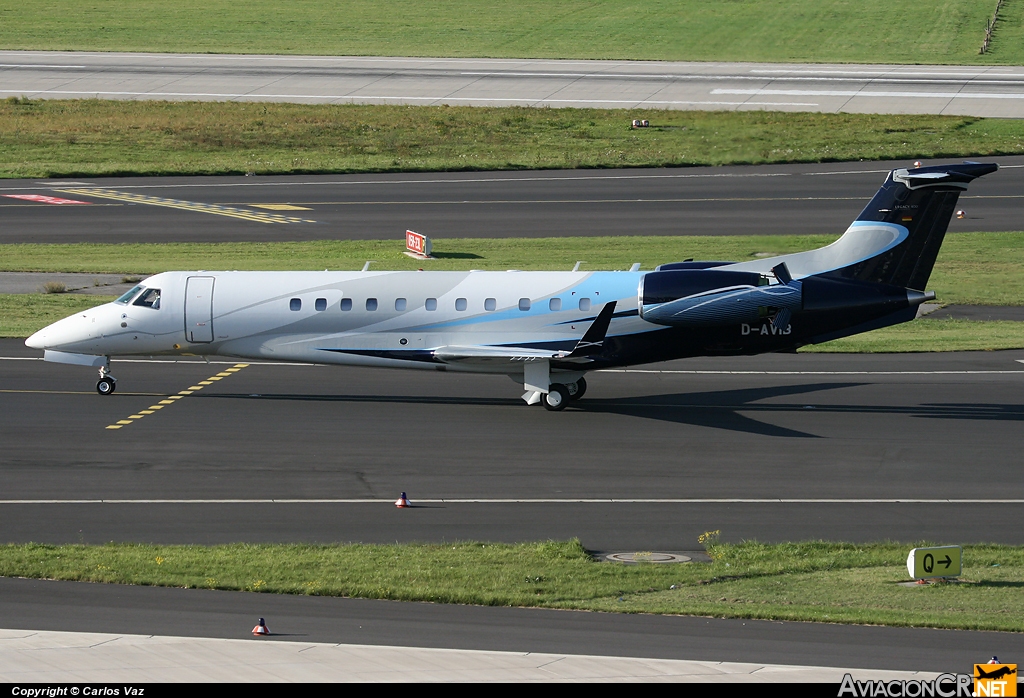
x,y
23,314
939,31
82,138
927,334
796,581
972,268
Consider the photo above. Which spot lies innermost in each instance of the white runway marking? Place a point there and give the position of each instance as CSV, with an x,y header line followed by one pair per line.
x,y
514,501
869,93
402,98
478,180
604,370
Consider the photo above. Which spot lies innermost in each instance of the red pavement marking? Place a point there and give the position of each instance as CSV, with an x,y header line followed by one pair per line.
x,y
44,199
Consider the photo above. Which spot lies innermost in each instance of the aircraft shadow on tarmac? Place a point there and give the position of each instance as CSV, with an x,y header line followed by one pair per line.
x,y
720,409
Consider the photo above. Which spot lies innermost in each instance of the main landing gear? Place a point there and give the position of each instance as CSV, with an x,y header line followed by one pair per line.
x,y
537,380
107,383
559,395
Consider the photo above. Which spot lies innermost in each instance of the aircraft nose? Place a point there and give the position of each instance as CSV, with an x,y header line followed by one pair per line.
x,y
37,340
62,333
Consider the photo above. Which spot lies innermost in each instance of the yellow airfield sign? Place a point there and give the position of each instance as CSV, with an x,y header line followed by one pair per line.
x,y
930,563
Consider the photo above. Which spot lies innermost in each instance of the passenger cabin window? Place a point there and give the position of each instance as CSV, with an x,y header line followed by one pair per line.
x,y
431,304
128,296
346,304
400,304
150,298
584,304
490,304
460,304
295,304
524,303
371,303
321,304
555,304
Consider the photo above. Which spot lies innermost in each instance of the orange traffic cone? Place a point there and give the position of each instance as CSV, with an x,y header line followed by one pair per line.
x,y
261,628
403,502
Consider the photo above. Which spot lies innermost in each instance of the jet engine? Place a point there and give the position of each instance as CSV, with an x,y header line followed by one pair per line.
x,y
706,297
703,297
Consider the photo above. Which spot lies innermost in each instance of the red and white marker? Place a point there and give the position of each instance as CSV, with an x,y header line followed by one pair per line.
x,y
261,628
403,502
417,246
45,199
961,214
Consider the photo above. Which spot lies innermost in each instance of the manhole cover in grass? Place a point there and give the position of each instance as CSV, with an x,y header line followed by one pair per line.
x,y
647,557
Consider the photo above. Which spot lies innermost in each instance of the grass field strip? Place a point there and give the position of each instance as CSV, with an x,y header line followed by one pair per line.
x,y
604,370
216,209
170,400
514,501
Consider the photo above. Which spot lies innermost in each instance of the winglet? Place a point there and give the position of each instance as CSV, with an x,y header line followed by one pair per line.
x,y
593,339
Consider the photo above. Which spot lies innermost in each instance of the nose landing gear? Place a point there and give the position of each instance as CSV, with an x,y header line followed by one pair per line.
x,y
107,383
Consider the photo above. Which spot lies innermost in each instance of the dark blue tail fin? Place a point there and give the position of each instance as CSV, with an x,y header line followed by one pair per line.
x,y
922,202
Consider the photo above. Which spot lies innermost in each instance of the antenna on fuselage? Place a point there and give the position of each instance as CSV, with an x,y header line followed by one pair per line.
x,y
366,267
635,267
577,265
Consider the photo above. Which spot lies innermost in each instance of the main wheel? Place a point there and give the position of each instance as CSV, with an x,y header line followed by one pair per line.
x,y
577,389
105,386
556,398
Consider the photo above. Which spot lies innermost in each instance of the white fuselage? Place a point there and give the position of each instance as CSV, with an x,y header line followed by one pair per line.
x,y
350,317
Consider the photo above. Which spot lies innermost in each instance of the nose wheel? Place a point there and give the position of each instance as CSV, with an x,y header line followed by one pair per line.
x,y
107,383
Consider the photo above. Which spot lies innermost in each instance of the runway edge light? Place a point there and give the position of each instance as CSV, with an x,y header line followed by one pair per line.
x,y
261,628
403,502
943,562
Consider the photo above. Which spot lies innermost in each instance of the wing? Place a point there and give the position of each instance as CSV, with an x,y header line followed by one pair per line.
x,y
586,350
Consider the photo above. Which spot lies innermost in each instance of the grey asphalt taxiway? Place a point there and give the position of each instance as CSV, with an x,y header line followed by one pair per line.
x,y
741,200
781,447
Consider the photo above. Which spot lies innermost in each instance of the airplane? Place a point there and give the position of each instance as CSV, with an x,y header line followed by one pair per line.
x,y
995,674
544,329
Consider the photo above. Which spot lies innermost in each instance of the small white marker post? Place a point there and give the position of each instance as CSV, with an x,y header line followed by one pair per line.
x,y
945,562
417,246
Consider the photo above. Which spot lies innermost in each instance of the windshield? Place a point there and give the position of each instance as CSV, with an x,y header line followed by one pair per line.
x,y
128,296
149,298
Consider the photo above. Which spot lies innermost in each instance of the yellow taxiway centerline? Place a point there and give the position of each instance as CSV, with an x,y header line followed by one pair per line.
x,y
171,399
216,209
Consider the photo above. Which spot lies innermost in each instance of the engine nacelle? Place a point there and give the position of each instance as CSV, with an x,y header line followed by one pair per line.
x,y
703,297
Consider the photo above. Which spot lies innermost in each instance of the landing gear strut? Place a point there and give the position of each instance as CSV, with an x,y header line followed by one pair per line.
x,y
107,383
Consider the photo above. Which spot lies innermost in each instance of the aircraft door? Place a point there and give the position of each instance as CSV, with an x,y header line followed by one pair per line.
x,y
199,309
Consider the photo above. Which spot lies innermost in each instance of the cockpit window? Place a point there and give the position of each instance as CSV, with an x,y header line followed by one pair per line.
x,y
150,298
128,296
